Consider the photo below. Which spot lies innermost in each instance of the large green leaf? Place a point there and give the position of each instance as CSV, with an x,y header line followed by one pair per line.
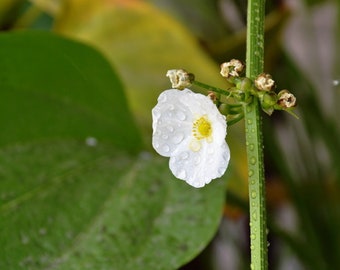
x,y
54,87
95,208
68,203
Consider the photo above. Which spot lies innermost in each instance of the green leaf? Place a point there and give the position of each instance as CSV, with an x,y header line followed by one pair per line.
x,y
78,207
51,87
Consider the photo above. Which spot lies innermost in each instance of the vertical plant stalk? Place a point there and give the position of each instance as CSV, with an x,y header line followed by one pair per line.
x,y
257,202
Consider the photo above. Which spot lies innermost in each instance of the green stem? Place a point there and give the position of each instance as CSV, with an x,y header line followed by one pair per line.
x,y
257,204
211,88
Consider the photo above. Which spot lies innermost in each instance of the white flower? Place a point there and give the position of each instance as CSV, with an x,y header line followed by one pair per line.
x,y
188,128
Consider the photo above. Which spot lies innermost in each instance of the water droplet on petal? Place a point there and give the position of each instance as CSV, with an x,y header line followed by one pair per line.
x,y
166,148
181,174
195,145
162,98
156,113
211,150
165,136
197,160
156,145
253,194
170,128
251,147
181,115
252,160
221,171
184,156
177,138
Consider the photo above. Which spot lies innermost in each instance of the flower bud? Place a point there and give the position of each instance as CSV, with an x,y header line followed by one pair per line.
x,y
268,101
180,78
212,95
286,99
264,82
233,68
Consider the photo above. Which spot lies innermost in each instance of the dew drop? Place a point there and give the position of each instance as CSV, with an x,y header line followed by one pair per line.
x,y
253,236
252,266
253,130
162,98
166,148
184,156
197,160
221,170
252,247
177,138
250,173
252,160
156,113
165,136
211,150
251,147
180,116
249,121
254,215
170,128
42,231
253,194
181,174
211,161
91,141
156,145
25,239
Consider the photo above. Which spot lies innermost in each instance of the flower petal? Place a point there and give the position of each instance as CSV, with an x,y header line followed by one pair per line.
x,y
172,122
199,168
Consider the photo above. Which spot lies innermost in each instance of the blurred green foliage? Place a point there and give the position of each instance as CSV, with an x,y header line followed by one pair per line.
x,y
55,96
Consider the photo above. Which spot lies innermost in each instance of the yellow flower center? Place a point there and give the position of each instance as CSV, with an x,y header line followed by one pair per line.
x,y
202,128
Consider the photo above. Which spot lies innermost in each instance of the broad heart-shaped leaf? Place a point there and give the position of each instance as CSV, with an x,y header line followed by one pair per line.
x,y
97,208
54,87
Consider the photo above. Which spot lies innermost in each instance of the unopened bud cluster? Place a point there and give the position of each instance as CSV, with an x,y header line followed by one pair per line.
x,y
263,87
243,90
